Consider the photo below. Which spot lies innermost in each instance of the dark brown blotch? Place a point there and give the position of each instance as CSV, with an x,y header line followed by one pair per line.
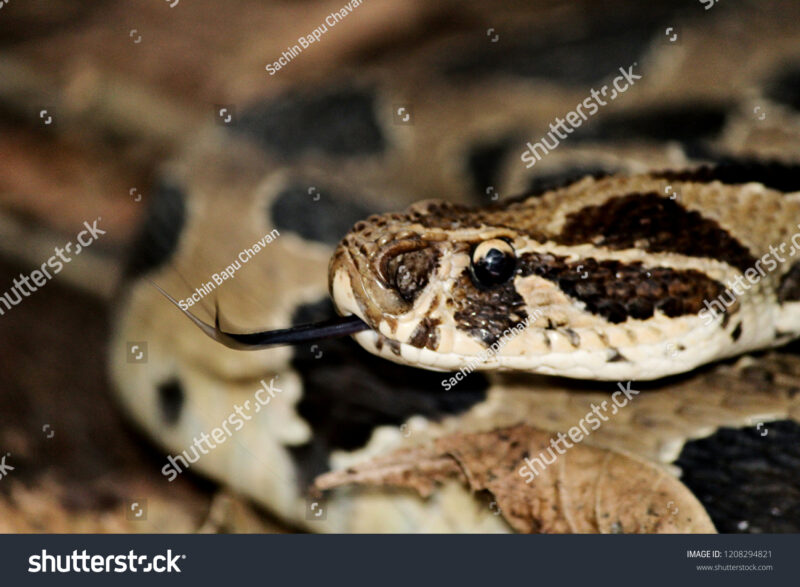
x,y
426,334
486,313
618,291
655,224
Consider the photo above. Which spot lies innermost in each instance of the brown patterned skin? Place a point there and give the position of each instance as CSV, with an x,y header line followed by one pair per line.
x,y
627,266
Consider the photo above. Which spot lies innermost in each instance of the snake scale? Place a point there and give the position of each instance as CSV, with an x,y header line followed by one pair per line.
x,y
655,239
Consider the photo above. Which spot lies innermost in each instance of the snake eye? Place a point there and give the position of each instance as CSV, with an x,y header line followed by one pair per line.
x,y
493,262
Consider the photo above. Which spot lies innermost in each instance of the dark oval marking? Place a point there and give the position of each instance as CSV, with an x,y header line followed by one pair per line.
x,y
336,122
619,291
737,332
785,87
742,475
659,225
604,41
348,392
687,123
171,398
484,162
325,220
776,175
158,235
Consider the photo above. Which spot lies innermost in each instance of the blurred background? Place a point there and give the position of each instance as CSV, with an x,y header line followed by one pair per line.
x,y
96,97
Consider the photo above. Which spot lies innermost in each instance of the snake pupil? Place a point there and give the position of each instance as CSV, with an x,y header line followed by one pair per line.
x,y
493,263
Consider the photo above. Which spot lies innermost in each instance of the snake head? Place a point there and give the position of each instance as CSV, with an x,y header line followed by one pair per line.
x,y
445,287
435,283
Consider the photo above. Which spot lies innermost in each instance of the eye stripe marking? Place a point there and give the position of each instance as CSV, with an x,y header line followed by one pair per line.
x,y
619,291
486,314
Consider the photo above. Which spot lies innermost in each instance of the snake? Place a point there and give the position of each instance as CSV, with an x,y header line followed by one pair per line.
x,y
621,280
420,280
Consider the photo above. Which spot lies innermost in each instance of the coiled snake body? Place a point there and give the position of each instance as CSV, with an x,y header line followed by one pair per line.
x,y
612,276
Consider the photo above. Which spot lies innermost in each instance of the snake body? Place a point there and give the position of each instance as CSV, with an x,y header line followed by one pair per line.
x,y
604,269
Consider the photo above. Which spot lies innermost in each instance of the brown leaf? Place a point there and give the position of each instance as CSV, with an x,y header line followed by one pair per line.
x,y
585,490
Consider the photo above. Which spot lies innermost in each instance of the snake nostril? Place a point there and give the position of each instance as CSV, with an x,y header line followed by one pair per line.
x,y
409,272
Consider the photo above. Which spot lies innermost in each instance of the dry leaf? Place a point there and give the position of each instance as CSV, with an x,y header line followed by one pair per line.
x,y
586,490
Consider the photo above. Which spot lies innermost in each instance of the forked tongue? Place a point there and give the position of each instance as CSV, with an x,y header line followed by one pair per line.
x,y
336,327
